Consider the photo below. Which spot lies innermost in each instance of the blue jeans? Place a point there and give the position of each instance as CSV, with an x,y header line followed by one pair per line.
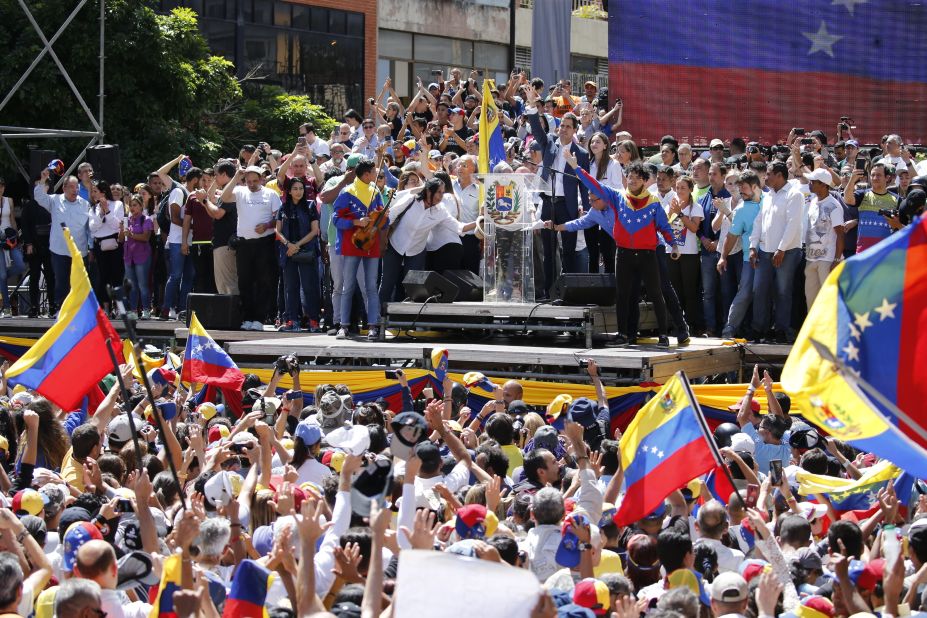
x,y
304,278
61,266
769,280
730,281
137,274
710,282
180,275
16,268
349,281
742,298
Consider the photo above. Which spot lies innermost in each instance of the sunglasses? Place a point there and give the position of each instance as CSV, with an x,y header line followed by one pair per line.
x,y
368,126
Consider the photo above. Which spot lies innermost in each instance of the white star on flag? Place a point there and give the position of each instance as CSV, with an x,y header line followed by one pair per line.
x,y
854,332
852,352
849,4
862,320
822,40
886,310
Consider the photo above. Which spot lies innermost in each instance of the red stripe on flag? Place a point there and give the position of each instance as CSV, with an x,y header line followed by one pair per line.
x,y
912,349
644,496
684,101
85,365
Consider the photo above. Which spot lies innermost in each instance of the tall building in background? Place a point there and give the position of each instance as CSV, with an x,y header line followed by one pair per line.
x,y
326,49
339,52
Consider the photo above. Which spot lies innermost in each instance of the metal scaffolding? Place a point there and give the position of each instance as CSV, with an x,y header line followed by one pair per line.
x,y
96,136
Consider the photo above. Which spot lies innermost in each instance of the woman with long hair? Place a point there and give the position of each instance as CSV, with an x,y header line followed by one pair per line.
x,y
107,221
412,219
608,172
626,153
53,441
444,247
298,233
685,215
136,234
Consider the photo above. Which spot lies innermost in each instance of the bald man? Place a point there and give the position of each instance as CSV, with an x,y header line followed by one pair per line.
x,y
511,391
96,561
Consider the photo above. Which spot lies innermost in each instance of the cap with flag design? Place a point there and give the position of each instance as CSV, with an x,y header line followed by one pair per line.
x,y
568,552
592,594
439,361
476,379
28,501
207,410
475,521
216,433
687,578
558,411
162,376
77,534
815,606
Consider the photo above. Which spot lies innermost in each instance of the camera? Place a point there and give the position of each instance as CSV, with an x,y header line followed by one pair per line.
x,y
806,141
124,505
602,99
807,159
798,131
238,448
390,374
584,363
288,363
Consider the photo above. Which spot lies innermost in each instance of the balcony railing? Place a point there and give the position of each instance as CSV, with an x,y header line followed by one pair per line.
x,y
587,9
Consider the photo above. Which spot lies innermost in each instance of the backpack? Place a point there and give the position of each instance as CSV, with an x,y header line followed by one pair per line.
x,y
164,215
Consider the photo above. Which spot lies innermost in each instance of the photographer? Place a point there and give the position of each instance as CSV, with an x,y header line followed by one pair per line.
x,y
874,204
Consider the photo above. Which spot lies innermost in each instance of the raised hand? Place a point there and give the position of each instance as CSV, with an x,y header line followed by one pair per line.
x,y
422,535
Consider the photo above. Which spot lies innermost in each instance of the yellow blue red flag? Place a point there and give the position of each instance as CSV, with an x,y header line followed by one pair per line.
x,y
71,357
492,146
171,582
869,315
664,448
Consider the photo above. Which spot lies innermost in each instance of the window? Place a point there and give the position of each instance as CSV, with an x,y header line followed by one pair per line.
x,y
490,56
221,37
393,44
444,51
219,9
319,20
263,12
337,22
355,24
301,16
584,64
282,13
261,49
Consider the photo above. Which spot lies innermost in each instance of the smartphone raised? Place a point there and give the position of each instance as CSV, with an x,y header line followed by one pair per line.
x,y
390,374
806,141
861,164
775,472
753,493
798,131
301,140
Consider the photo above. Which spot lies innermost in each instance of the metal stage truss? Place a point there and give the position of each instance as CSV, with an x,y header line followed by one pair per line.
x,y
14,132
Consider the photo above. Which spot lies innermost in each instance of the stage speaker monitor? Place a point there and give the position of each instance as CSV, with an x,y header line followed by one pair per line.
x,y
38,161
585,289
106,163
469,285
420,285
215,311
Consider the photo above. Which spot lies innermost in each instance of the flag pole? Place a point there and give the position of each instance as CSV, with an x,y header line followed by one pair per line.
x,y
118,294
707,435
125,398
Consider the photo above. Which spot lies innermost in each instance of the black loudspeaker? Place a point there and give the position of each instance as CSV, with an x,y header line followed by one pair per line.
x,y
585,289
38,161
420,285
215,311
106,163
469,285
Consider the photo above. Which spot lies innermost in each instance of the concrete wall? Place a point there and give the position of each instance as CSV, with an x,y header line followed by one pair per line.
x,y
478,20
588,37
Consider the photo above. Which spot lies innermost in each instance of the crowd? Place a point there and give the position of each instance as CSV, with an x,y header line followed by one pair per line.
x,y
321,495
734,241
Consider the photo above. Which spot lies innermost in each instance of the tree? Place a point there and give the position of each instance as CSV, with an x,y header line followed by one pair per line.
x,y
165,93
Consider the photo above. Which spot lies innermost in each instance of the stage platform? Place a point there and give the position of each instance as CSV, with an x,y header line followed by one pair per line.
x,y
703,358
159,330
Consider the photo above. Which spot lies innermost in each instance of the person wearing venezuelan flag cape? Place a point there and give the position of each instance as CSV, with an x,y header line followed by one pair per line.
x,y
352,210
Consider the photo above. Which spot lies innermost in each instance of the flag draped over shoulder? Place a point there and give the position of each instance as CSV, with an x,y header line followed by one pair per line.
x,y
71,357
663,448
250,585
871,314
163,605
492,147
204,362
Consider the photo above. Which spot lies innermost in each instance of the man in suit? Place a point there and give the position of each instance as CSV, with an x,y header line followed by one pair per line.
x,y
563,203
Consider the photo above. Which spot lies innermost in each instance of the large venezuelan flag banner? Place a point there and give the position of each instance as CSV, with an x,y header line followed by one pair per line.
x,y
703,69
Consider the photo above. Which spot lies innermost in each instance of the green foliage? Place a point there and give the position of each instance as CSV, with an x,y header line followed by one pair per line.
x,y
164,92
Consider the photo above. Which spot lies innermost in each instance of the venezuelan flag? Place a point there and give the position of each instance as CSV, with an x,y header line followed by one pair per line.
x,y
492,147
249,591
663,448
848,494
439,360
12,348
163,605
204,362
871,314
719,485
71,357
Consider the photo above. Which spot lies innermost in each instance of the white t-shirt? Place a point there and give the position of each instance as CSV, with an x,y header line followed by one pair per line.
x,y
319,148
313,471
821,240
6,211
101,225
686,238
443,235
254,208
175,234
117,605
